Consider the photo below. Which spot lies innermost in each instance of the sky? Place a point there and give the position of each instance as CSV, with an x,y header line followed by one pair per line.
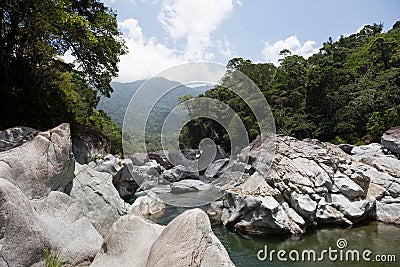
x,y
160,34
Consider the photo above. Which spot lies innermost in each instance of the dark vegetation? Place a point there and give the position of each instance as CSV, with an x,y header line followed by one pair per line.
x,y
40,90
349,92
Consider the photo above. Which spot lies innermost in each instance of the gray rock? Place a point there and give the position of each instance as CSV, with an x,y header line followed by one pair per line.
x,y
302,183
175,157
54,222
42,164
238,166
125,175
161,158
391,140
376,192
147,176
189,185
178,173
230,179
87,146
16,136
346,186
354,210
346,148
146,205
388,211
304,205
188,241
139,159
128,243
217,168
220,152
97,197
69,231
253,208
370,150
214,211
327,214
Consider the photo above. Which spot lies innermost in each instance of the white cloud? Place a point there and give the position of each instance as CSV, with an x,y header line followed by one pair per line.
x,y
189,24
194,20
146,56
271,51
225,48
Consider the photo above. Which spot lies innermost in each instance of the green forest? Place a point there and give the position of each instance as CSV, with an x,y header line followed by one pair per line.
x,y
349,92
37,88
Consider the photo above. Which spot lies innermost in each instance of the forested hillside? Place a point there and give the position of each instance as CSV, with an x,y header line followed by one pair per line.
x,y
349,92
117,104
37,87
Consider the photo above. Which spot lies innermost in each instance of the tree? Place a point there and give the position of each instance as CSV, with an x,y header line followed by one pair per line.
x,y
37,87
186,100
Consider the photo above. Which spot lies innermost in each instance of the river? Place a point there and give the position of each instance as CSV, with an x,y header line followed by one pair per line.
x,y
382,240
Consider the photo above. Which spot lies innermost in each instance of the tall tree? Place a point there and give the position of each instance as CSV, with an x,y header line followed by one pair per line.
x,y
37,87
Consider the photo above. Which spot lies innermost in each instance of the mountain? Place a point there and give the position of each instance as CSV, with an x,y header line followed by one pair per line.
x,y
117,104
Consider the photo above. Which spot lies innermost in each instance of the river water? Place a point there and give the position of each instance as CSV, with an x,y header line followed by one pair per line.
x,y
382,240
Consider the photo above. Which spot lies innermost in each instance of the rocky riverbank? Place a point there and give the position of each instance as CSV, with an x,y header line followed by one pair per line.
x,y
307,183
49,201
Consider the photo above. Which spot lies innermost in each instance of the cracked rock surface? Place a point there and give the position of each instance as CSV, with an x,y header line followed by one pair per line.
x,y
97,196
41,165
310,182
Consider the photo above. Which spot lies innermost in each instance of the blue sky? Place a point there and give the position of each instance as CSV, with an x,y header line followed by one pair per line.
x,y
161,34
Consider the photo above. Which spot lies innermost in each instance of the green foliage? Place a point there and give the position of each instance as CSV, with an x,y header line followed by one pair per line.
x,y
348,92
52,259
38,88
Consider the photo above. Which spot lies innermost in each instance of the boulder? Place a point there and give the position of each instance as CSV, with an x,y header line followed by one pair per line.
x,y
354,210
54,222
139,159
42,164
147,176
388,211
178,173
230,179
214,211
346,148
303,183
370,150
70,232
97,197
161,158
346,186
89,145
304,205
189,185
257,208
128,243
376,192
176,156
125,175
327,214
217,168
146,205
16,136
188,241
391,140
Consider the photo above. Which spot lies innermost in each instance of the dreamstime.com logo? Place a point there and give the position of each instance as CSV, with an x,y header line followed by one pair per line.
x,y
136,134
338,254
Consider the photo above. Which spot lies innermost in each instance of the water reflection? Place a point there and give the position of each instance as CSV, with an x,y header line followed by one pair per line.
x,y
378,237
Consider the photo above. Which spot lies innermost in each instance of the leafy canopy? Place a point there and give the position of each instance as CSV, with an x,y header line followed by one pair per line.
x,y
38,88
348,92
